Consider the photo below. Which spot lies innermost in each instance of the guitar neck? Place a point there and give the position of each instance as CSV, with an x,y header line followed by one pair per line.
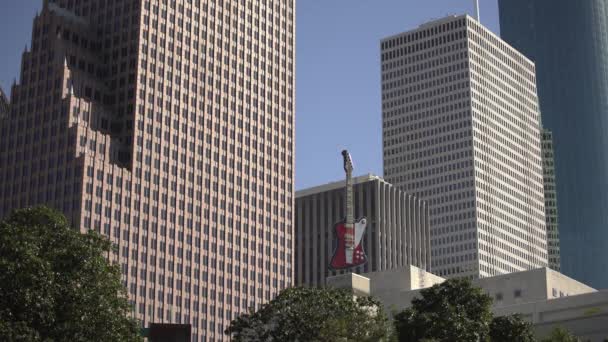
x,y
349,233
350,216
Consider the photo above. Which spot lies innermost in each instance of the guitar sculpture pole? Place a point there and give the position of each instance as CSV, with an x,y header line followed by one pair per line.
x,y
349,251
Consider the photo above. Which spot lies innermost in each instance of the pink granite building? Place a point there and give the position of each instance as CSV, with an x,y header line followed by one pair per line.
x,y
166,125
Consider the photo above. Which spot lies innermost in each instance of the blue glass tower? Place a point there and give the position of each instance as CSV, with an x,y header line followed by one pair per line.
x,y
568,40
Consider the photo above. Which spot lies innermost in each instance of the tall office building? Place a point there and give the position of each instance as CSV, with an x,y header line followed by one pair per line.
x,y
166,125
568,42
4,105
551,217
461,130
397,233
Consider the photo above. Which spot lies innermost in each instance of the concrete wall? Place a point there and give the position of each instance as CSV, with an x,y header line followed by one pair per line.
x,y
405,278
559,285
397,288
530,286
421,279
360,285
585,315
392,286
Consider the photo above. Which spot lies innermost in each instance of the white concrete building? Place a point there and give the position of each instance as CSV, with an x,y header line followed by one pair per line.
x,y
544,297
531,286
461,130
584,315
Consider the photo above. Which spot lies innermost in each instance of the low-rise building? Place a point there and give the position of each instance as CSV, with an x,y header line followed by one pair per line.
x,y
531,286
394,288
397,232
544,297
584,315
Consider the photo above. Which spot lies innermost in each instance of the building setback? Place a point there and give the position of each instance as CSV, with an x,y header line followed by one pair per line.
x,y
461,130
4,105
550,200
568,42
397,233
168,127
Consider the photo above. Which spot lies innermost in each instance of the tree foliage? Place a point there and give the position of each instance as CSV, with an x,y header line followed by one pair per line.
x,y
451,311
560,335
57,285
511,328
313,314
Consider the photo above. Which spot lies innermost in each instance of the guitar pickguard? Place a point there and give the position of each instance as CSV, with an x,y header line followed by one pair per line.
x,y
359,257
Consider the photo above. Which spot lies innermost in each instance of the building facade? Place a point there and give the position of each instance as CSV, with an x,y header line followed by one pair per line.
x,y
167,126
461,130
583,315
397,233
398,287
568,42
545,298
551,216
4,105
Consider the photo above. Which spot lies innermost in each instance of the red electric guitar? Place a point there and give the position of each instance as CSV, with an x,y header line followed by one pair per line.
x,y
348,251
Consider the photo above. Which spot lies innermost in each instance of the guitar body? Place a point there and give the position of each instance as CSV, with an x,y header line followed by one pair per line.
x,y
340,260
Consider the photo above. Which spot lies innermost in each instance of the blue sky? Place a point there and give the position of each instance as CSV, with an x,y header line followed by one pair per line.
x,y
337,66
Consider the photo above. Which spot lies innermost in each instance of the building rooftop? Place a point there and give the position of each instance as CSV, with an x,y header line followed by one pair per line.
x,y
337,185
425,25
450,18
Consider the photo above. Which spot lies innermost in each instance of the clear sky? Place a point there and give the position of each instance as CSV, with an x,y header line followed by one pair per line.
x,y
337,72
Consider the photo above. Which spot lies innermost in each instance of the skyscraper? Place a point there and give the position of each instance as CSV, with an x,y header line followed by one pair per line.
x,y
4,105
397,233
461,130
166,125
551,217
568,42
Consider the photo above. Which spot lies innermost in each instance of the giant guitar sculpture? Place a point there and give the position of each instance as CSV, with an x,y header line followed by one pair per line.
x,y
348,250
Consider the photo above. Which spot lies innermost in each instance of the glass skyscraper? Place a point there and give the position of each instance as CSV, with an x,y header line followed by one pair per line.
x,y
568,42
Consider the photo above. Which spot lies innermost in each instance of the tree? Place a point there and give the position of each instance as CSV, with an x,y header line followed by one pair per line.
x,y
313,314
57,285
560,335
511,328
451,311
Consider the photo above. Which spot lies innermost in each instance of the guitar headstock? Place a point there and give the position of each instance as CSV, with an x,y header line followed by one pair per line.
x,y
348,162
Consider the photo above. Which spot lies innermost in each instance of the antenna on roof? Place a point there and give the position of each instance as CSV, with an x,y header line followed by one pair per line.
x,y
477,10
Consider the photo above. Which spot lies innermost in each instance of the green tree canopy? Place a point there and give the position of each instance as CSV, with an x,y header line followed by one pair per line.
x,y
511,328
313,314
560,335
57,285
455,310
451,311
